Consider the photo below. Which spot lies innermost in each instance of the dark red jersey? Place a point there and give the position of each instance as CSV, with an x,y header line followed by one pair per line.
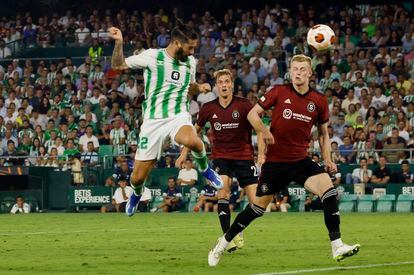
x,y
232,132
293,117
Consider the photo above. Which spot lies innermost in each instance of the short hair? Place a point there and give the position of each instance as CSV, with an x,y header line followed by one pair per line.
x,y
405,162
171,178
182,33
222,72
301,58
363,158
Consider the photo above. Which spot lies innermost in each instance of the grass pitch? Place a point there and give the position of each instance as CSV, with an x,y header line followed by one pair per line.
x,y
178,243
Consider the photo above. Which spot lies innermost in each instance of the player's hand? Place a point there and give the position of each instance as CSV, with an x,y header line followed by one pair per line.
x,y
331,167
115,34
204,88
268,137
179,163
261,158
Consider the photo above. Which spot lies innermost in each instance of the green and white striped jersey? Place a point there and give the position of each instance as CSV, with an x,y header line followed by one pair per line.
x,y
166,82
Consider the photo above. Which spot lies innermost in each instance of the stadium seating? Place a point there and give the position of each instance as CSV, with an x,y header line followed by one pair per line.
x,y
347,203
192,202
302,199
385,203
32,201
106,150
366,203
404,203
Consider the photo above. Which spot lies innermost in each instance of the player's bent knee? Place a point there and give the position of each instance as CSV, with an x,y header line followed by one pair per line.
x,y
319,184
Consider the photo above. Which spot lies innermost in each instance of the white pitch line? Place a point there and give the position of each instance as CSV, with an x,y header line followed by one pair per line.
x,y
337,268
60,232
92,231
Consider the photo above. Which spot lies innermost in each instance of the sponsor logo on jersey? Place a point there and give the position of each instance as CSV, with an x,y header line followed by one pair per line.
x,y
217,126
175,75
214,116
287,113
235,114
262,99
287,101
311,107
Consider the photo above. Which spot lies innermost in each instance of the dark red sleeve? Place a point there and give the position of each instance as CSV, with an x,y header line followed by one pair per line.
x,y
269,99
323,115
202,116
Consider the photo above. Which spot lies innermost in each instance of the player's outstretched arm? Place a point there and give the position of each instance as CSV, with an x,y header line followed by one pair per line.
x,y
118,60
196,88
257,123
325,145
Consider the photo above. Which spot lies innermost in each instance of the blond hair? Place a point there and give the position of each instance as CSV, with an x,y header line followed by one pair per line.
x,y
222,72
301,58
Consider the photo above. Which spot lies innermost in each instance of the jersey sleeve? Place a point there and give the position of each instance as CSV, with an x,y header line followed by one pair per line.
x,y
269,99
323,115
193,66
202,117
139,61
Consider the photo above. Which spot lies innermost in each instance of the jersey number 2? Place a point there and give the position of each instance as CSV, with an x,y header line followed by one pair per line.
x,y
254,171
143,143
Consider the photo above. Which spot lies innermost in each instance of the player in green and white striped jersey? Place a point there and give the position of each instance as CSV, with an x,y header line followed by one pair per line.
x,y
169,74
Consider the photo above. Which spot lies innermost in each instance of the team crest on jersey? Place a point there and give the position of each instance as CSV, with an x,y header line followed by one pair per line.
x,y
235,114
264,188
311,107
175,75
217,126
287,113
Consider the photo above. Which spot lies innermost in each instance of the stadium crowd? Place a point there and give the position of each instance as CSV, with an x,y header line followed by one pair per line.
x,y
50,109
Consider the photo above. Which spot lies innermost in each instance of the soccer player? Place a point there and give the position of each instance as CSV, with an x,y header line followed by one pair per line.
x,y
297,108
232,149
169,74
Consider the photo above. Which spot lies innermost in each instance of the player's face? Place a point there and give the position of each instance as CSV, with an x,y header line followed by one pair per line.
x,y
184,50
300,72
224,86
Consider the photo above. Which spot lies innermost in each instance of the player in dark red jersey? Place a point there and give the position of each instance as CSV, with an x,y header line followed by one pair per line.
x,y
297,108
232,150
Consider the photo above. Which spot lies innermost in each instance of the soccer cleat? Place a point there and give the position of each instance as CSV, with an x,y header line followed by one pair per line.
x,y
215,254
214,178
236,243
132,204
345,251
153,210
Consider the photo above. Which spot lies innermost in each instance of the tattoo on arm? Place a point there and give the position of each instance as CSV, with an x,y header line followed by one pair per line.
x,y
118,60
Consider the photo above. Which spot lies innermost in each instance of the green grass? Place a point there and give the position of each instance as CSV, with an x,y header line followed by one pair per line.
x,y
179,243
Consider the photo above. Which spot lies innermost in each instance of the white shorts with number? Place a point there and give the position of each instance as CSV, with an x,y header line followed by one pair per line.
x,y
155,132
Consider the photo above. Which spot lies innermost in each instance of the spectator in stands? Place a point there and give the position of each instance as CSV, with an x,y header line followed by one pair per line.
x,y
207,200
382,173
405,175
280,202
172,198
397,145
90,157
187,175
117,134
20,206
361,174
8,155
88,137
123,172
346,150
5,52
120,197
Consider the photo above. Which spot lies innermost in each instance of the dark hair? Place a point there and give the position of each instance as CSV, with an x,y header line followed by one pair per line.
x,y
182,33
405,162
363,158
171,178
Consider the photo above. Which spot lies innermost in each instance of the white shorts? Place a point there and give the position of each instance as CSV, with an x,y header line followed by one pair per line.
x,y
155,132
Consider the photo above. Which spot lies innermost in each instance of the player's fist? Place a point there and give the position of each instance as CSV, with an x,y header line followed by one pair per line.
x,y
267,137
179,163
115,34
204,88
330,167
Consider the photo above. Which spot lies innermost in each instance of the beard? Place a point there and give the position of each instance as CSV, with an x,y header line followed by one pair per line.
x,y
180,55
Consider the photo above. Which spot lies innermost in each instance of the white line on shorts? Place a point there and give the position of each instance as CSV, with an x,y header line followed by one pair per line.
x,y
338,268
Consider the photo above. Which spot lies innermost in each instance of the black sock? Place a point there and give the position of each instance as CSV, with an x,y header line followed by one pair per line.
x,y
223,211
242,220
331,213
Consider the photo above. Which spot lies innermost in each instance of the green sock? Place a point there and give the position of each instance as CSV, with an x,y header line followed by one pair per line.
x,y
201,159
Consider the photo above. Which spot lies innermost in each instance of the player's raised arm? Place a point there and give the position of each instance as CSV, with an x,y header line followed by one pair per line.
x,y
118,60
325,145
257,123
